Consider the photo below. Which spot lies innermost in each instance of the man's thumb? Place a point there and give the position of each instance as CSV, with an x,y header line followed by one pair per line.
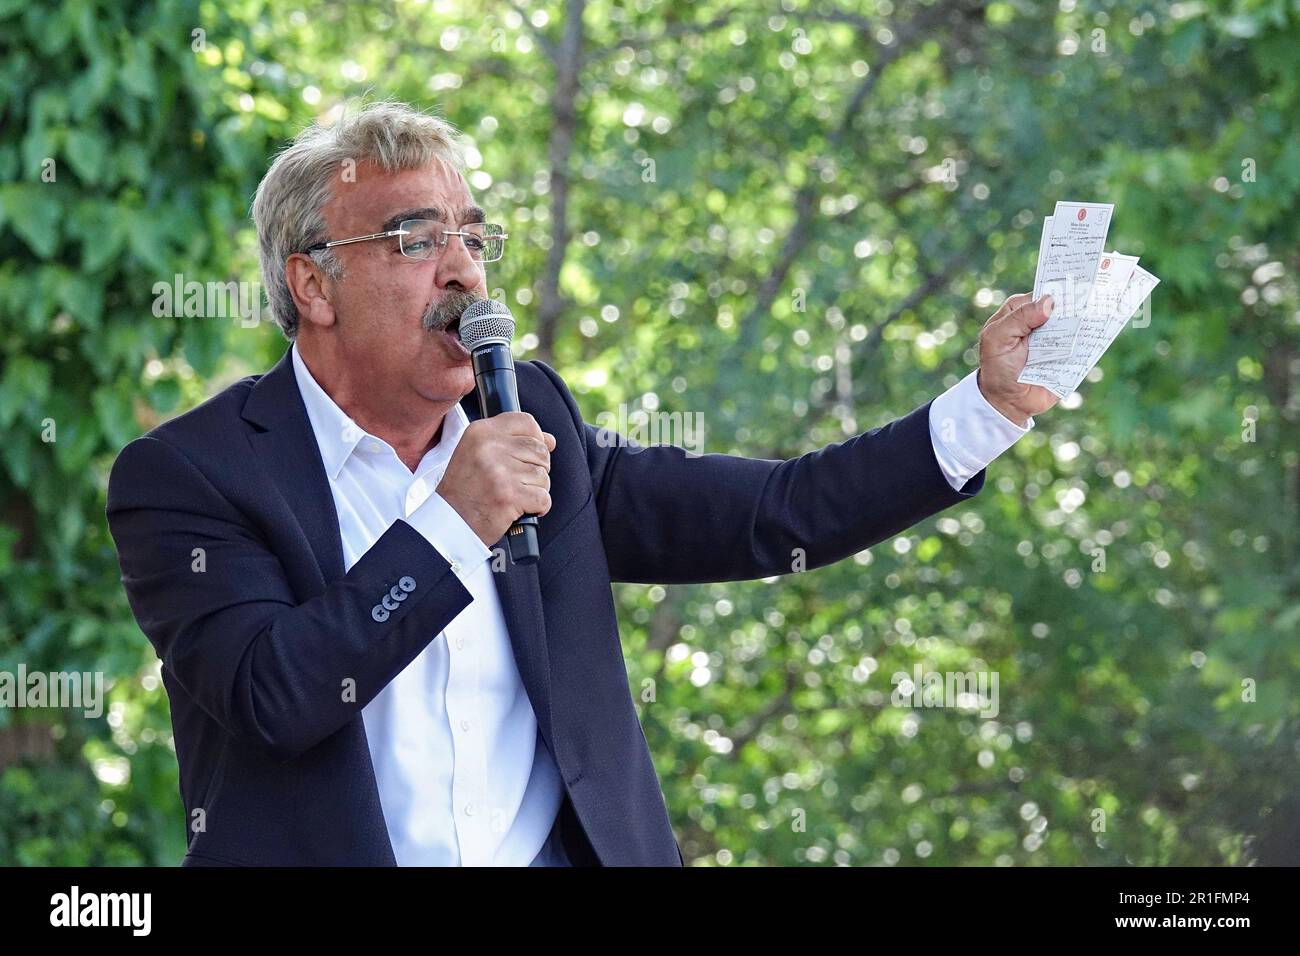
x,y
1041,312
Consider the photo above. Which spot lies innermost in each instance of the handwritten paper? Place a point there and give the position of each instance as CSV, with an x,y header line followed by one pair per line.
x,y
1119,290
1069,254
1113,274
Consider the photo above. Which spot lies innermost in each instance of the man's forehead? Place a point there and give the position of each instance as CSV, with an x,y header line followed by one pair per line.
x,y
378,197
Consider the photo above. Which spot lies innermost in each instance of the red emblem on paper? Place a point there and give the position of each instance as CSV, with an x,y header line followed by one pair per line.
x,y
1105,263
1083,214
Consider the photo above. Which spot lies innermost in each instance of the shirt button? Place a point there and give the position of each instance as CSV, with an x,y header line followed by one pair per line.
x,y
415,496
469,809
460,642
455,566
464,725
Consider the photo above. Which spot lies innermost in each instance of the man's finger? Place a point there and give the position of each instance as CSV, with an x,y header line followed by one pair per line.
x,y
519,423
536,477
531,450
1021,321
1010,304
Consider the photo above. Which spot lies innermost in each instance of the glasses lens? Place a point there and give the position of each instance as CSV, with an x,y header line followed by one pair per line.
x,y
423,238
484,240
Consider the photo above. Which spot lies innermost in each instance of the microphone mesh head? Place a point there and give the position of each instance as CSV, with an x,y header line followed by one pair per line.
x,y
486,319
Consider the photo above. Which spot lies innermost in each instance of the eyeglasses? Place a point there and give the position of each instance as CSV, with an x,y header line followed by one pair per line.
x,y
423,238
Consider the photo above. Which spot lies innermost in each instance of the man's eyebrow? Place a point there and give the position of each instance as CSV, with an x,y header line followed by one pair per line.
x,y
424,212
468,214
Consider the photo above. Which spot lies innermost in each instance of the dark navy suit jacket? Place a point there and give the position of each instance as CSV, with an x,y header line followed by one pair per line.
x,y
231,558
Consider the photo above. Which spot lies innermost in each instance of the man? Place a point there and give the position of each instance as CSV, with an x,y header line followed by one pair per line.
x,y
357,674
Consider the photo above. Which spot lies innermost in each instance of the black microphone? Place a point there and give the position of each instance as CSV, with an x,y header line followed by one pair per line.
x,y
486,329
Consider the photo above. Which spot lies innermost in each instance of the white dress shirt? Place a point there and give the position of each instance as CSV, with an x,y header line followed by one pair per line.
x,y
463,774
967,432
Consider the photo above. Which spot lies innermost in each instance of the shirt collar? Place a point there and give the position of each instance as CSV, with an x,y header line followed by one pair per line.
x,y
339,436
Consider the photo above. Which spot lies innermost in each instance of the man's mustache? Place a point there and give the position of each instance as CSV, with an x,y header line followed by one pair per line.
x,y
449,309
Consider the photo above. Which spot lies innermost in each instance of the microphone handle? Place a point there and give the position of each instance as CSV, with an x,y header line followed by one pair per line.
x,y
494,373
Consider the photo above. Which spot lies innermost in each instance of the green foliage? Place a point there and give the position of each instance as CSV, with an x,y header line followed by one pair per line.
x,y
115,176
760,227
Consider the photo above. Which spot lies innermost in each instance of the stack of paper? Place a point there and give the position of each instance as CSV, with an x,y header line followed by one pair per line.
x,y
1094,294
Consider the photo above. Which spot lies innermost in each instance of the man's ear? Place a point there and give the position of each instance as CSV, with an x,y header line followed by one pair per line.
x,y
307,286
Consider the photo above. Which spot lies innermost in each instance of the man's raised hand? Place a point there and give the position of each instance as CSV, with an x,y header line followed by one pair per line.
x,y
1003,349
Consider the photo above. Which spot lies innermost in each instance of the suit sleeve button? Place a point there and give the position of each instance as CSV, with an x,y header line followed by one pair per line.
x,y
379,614
407,584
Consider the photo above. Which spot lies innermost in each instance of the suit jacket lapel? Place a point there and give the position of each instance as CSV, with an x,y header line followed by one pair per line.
x,y
286,447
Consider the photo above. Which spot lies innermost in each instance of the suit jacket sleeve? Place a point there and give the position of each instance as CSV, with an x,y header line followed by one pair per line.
x,y
267,667
673,518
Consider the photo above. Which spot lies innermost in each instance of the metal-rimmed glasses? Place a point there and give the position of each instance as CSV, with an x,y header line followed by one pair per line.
x,y
424,238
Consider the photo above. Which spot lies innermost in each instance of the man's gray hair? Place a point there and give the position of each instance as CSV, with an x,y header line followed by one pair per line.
x,y
288,209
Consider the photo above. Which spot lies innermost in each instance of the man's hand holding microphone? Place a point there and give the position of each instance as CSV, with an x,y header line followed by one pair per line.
x,y
499,471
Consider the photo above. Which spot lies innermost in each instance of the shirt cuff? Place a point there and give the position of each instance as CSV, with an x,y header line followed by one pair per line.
x,y
967,432
444,528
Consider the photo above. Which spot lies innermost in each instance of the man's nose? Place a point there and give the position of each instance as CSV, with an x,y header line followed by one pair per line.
x,y
457,267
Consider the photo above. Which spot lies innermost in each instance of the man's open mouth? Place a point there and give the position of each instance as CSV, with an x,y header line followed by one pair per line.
x,y
446,318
